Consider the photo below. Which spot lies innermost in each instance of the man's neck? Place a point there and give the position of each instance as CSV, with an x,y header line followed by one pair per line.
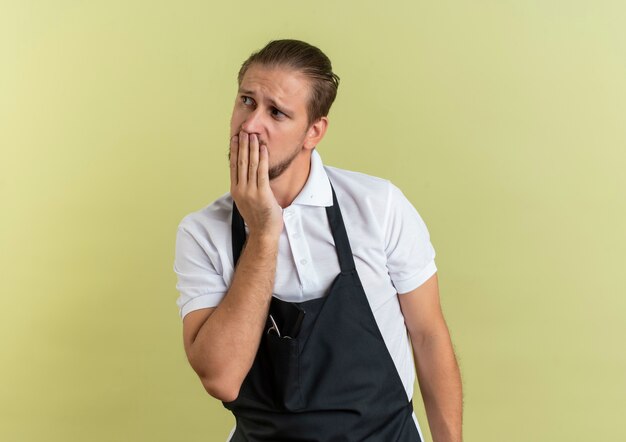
x,y
290,183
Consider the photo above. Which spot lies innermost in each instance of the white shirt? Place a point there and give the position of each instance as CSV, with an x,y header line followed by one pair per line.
x,y
390,244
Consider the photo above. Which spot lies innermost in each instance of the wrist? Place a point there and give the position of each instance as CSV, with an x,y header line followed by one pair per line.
x,y
264,239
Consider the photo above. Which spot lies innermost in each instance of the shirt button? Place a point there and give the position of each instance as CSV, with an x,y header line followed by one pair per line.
x,y
303,262
296,235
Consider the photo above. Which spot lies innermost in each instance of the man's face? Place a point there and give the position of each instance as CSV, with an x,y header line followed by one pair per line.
x,y
272,103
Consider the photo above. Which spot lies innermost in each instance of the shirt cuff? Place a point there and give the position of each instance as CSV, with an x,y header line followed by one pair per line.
x,y
204,301
414,282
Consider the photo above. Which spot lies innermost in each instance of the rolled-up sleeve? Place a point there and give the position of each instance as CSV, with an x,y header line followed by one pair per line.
x,y
200,281
410,254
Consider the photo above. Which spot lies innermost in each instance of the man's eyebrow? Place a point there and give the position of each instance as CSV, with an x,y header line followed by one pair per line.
x,y
280,106
270,100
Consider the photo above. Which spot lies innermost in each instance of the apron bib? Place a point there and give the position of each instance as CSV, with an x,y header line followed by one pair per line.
x,y
334,381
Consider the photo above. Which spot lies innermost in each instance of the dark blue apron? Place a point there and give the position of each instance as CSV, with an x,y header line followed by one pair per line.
x,y
333,381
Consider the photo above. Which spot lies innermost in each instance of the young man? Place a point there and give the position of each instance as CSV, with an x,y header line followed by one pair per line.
x,y
298,287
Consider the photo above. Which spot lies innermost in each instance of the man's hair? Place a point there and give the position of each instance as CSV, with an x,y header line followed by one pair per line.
x,y
306,59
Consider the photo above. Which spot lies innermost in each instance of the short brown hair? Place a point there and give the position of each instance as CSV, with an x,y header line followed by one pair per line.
x,y
307,59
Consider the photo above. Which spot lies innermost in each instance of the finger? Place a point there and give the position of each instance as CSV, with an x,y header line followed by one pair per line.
x,y
234,151
263,173
242,159
254,158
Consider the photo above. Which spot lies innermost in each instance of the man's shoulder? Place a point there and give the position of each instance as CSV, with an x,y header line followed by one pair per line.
x,y
356,182
216,215
358,185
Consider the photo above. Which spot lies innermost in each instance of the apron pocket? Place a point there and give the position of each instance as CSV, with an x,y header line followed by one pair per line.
x,y
284,356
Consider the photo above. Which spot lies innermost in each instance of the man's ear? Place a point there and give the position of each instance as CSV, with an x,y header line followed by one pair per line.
x,y
315,133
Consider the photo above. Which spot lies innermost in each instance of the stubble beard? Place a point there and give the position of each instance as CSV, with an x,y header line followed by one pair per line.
x,y
278,169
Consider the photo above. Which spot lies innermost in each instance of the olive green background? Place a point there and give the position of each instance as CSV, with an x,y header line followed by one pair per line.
x,y
502,121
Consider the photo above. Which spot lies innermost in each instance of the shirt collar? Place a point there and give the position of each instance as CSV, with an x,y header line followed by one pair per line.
x,y
316,190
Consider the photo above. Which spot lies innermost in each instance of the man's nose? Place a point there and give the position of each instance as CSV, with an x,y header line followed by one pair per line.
x,y
252,123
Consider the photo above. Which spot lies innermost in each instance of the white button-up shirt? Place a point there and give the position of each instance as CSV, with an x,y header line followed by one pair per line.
x,y
389,241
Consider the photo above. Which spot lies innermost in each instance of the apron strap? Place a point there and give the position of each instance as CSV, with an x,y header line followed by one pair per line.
x,y
342,245
238,230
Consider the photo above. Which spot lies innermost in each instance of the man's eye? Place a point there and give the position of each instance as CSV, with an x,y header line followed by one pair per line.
x,y
278,114
247,100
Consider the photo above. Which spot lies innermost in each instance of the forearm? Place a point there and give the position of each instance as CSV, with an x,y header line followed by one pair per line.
x,y
225,347
440,382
